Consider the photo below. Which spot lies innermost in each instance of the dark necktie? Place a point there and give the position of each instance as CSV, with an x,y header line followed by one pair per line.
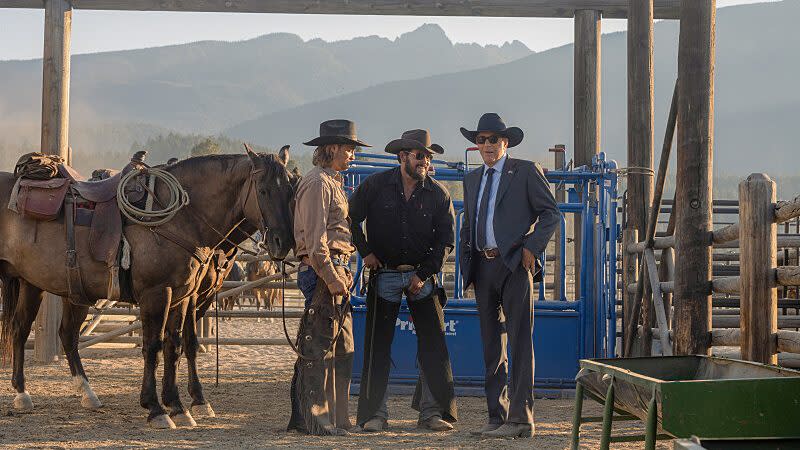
x,y
487,193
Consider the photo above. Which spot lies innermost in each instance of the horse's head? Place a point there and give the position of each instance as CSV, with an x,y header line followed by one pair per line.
x,y
272,188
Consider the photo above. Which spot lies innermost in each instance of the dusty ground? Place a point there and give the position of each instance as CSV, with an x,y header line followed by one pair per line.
x,y
252,407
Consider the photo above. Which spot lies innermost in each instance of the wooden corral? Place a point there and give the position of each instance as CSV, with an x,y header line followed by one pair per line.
x,y
695,100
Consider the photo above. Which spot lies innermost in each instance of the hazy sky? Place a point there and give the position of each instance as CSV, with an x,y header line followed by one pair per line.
x,y
94,31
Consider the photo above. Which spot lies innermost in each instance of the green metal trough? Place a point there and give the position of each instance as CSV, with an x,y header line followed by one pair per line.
x,y
687,396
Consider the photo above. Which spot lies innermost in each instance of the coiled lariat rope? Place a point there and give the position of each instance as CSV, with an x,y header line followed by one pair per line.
x,y
178,198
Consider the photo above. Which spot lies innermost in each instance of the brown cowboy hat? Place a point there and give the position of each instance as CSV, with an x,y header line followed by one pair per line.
x,y
493,123
414,140
337,131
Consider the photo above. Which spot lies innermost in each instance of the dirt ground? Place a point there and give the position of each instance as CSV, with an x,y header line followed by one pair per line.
x,y
252,405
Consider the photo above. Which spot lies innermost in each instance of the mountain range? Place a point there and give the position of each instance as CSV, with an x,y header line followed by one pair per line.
x,y
275,89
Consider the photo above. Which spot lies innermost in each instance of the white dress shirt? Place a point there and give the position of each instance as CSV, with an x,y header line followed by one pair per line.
x,y
498,172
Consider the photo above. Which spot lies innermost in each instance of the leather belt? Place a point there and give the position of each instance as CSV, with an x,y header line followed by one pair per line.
x,y
401,268
489,253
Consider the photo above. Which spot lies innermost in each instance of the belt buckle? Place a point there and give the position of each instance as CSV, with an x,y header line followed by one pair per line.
x,y
405,268
486,253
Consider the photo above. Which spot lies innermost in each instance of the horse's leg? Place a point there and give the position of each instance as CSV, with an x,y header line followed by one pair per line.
x,y
172,354
200,407
29,298
257,293
71,320
153,308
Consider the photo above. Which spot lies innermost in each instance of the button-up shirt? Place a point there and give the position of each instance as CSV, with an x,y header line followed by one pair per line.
x,y
418,231
321,222
491,242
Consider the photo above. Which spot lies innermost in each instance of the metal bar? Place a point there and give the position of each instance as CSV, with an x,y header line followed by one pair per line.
x,y
576,419
608,416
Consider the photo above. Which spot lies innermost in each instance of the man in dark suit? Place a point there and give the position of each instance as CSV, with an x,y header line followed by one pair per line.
x,y
509,216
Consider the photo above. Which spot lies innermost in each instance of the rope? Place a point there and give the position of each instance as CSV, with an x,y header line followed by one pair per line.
x,y
178,198
634,170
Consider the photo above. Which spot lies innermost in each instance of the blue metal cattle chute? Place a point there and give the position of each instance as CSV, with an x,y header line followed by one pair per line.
x,y
565,329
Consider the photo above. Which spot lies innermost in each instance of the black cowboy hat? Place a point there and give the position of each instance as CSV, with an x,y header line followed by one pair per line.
x,y
414,140
493,123
337,131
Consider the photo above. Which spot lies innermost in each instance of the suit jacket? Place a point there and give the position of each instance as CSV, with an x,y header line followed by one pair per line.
x,y
526,215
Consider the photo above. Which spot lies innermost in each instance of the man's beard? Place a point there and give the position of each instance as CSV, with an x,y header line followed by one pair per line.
x,y
411,171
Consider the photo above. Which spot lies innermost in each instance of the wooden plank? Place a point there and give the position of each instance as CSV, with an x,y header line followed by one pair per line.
x,y
112,334
658,303
734,321
783,241
788,341
758,297
693,203
726,285
613,9
787,276
254,284
54,140
726,337
787,210
727,233
659,243
666,271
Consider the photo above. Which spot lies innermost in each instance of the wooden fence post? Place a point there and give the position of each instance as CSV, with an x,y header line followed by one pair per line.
x,y
693,205
55,140
586,108
758,243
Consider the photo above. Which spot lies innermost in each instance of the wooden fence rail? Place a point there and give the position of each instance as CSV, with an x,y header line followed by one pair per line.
x,y
756,326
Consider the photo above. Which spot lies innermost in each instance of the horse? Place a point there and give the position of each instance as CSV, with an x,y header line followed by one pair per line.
x,y
201,302
225,192
255,270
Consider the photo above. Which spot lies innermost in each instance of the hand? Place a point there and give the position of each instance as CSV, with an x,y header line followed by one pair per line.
x,y
415,285
528,260
372,261
339,287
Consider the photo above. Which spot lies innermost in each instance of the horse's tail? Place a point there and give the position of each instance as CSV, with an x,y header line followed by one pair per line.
x,y
10,297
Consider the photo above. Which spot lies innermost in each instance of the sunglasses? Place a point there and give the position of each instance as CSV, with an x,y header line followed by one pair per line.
x,y
420,156
492,139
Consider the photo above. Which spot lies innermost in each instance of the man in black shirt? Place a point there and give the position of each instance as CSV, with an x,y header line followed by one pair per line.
x,y
410,226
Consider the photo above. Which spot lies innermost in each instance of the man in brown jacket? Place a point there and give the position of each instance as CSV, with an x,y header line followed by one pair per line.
x,y
321,386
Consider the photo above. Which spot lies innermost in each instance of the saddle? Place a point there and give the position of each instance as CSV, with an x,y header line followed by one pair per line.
x,y
85,203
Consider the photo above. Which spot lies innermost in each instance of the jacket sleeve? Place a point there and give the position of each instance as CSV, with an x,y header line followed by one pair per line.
x,y
312,210
544,205
444,239
358,213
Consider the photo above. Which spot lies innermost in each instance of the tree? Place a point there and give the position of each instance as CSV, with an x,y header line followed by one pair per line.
x,y
206,147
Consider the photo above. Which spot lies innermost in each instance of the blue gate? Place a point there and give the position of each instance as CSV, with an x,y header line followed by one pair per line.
x,y
565,329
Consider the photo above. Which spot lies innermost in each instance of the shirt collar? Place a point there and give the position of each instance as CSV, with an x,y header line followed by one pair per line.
x,y
498,167
397,178
332,173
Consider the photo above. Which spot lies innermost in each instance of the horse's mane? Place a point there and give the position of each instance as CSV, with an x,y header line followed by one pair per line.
x,y
227,161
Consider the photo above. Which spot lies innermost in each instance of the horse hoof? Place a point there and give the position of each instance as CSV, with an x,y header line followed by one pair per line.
x,y
91,402
23,402
203,410
184,420
162,422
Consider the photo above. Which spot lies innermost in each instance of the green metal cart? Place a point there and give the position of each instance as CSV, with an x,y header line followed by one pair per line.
x,y
684,396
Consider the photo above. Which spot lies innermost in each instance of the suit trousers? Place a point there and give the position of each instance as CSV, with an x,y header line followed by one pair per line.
x,y
505,309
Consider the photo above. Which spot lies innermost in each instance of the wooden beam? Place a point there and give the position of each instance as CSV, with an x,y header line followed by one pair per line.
x,y
586,101
759,298
613,9
658,302
54,140
692,299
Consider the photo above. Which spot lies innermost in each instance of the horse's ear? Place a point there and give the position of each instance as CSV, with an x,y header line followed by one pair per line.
x,y
250,153
283,154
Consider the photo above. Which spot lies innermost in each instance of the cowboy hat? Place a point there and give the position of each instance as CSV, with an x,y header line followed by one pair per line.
x,y
337,131
492,122
414,140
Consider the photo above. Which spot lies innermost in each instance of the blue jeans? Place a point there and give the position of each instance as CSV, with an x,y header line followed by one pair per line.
x,y
307,282
391,287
